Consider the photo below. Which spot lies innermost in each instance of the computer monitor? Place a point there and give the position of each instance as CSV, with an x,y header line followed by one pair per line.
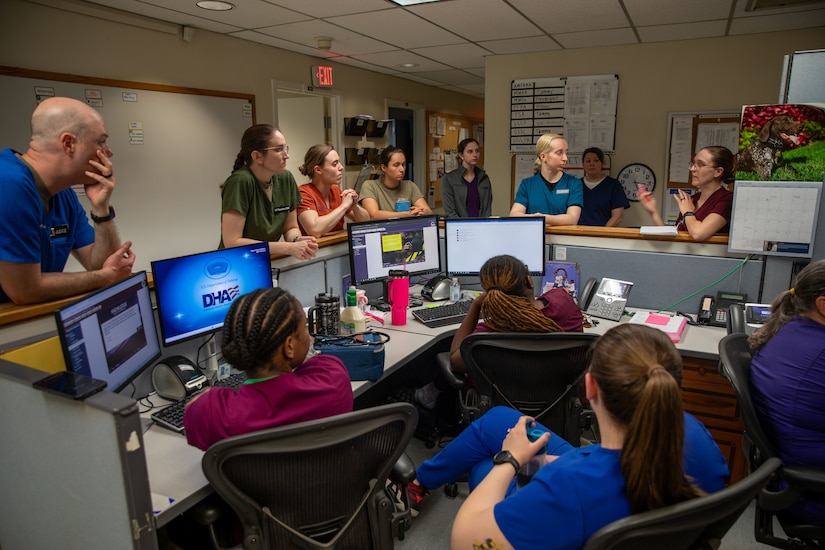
x,y
469,242
110,334
377,246
194,292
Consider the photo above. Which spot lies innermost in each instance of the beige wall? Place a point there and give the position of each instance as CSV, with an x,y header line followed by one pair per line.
x,y
33,36
719,74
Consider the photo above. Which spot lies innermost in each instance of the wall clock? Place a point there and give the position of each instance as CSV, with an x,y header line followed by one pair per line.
x,y
633,175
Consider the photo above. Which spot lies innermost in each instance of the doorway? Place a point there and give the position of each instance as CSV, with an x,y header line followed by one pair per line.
x,y
402,134
306,119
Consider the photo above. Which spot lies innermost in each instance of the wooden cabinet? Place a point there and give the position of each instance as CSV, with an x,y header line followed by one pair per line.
x,y
708,396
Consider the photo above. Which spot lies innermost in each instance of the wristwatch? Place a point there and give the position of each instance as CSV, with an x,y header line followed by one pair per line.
x,y
505,457
101,219
686,214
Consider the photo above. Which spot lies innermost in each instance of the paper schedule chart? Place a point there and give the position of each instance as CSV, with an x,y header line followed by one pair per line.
x,y
775,218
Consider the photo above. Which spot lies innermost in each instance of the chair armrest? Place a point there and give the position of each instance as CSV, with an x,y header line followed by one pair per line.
x,y
403,471
811,478
446,372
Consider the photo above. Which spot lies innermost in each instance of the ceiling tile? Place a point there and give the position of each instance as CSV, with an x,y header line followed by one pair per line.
x,y
682,31
460,55
783,22
398,27
367,66
325,8
170,16
452,76
564,16
254,36
477,19
612,37
478,72
344,42
391,60
741,6
248,14
521,45
656,12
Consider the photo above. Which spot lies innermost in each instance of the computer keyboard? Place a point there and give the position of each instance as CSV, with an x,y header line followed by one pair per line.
x,y
171,417
448,314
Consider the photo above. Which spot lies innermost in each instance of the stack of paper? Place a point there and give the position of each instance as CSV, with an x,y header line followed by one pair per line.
x,y
658,230
672,326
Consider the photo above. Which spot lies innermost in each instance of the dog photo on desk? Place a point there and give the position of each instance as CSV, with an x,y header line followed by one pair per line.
x,y
781,143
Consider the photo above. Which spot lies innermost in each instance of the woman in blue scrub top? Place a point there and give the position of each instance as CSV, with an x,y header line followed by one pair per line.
x,y
550,192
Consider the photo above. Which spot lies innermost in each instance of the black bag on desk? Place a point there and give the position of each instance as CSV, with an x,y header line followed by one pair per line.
x,y
363,353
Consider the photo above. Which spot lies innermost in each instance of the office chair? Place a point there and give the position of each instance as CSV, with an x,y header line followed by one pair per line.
x,y
317,484
536,373
699,523
790,481
735,321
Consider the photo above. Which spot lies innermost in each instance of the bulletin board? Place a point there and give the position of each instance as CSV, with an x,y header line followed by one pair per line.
x,y
581,108
687,133
444,132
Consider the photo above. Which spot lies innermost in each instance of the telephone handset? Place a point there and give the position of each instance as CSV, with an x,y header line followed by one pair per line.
x,y
607,299
717,312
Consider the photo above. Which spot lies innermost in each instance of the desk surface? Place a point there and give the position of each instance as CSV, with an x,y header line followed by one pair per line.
x,y
175,467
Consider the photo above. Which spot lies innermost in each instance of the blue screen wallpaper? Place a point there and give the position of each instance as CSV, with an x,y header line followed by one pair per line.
x,y
195,292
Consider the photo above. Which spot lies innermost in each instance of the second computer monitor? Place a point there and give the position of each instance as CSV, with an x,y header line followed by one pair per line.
x,y
469,242
195,292
376,247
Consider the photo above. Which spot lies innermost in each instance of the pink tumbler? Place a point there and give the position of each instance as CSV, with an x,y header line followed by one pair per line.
x,y
398,288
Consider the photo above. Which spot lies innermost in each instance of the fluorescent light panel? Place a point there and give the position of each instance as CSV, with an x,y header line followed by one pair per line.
x,y
412,2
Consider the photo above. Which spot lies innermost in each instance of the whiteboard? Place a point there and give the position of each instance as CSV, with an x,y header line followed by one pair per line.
x,y
774,218
182,146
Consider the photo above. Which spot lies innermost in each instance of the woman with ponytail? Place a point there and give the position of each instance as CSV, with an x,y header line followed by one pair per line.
x,y
265,335
652,454
788,380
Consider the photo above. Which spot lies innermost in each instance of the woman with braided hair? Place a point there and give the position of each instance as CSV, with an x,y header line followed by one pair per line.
x,y
265,335
507,305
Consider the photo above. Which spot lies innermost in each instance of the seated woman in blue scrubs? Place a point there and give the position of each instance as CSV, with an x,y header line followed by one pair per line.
x,y
550,192
652,454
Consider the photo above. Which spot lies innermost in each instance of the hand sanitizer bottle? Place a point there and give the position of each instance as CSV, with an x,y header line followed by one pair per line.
x,y
455,290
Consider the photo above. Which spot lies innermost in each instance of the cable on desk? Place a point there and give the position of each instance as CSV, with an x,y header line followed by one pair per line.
x,y
717,281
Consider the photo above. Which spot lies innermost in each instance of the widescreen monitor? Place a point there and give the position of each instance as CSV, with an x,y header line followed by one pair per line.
x,y
110,334
194,292
469,242
376,247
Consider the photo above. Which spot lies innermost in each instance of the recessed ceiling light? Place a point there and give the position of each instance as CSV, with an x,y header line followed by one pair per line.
x,y
407,65
412,2
215,6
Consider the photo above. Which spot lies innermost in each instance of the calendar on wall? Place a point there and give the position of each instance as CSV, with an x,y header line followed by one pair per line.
x,y
581,108
774,218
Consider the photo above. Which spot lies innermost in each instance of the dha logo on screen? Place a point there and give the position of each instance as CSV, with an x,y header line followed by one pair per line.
x,y
220,297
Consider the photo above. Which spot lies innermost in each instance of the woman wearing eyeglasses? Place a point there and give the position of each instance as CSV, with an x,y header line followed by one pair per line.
x,y
259,201
708,211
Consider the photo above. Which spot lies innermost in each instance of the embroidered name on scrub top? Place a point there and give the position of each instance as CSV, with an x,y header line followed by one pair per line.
x,y
276,209
60,231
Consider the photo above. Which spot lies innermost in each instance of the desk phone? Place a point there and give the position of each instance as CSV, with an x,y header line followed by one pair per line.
x,y
608,300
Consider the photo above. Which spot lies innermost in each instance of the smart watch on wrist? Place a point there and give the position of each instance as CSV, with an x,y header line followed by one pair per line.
x,y
686,214
101,219
505,457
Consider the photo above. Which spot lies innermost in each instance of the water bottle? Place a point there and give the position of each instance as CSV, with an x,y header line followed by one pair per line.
x,y
455,290
529,469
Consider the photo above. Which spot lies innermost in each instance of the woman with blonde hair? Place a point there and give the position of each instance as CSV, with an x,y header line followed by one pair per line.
x,y
550,192
324,205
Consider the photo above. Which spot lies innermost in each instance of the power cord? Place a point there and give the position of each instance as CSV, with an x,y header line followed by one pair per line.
x,y
717,281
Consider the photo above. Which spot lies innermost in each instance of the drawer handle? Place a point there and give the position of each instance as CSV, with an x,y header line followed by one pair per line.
x,y
702,371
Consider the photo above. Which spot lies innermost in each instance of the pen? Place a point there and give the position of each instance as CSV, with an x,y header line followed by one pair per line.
x,y
376,317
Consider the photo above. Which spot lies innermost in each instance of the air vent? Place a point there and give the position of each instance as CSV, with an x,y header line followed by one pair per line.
x,y
757,5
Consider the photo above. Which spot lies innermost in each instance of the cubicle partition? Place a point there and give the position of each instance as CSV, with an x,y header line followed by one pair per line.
x,y
74,473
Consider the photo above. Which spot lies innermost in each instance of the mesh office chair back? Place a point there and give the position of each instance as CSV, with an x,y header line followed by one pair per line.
x,y
735,355
317,484
699,523
535,373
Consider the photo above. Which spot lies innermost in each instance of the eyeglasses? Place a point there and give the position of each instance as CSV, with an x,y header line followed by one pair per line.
x,y
280,149
699,164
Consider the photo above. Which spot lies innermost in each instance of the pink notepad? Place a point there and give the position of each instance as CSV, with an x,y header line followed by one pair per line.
x,y
672,326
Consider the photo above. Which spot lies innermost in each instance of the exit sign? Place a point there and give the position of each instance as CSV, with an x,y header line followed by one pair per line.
x,y
322,76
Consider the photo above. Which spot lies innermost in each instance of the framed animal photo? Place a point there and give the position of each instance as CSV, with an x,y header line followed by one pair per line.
x,y
783,142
